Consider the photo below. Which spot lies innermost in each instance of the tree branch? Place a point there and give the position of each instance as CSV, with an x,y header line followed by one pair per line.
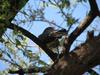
x,y
83,25
29,70
93,6
83,58
34,39
92,72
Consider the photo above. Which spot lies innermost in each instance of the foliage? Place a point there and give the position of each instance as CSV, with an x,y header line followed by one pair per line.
x,y
15,48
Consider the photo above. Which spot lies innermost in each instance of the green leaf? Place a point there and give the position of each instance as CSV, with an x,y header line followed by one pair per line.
x,y
17,42
64,3
71,20
42,62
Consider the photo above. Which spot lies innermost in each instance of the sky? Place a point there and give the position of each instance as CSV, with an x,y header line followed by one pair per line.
x,y
38,27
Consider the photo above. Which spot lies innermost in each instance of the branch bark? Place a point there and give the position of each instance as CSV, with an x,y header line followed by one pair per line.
x,y
29,70
83,25
80,60
92,72
34,39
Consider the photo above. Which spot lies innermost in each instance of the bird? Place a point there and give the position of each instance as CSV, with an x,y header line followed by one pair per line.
x,y
51,36
47,35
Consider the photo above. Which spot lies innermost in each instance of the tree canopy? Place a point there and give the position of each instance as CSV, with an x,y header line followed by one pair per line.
x,y
74,41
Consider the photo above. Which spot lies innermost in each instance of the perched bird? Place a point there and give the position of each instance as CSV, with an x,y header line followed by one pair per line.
x,y
47,35
51,36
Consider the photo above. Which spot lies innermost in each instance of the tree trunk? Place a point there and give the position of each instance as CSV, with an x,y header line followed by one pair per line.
x,y
80,60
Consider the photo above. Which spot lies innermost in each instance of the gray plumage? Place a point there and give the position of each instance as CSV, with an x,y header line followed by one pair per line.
x,y
51,36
